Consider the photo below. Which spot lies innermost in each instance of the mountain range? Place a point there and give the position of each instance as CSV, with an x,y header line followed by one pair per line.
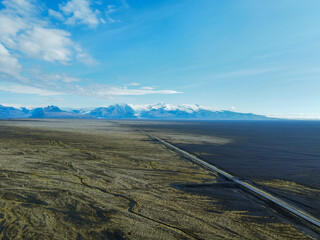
x,y
130,111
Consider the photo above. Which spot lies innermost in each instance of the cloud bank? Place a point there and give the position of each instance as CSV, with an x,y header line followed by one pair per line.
x,y
27,33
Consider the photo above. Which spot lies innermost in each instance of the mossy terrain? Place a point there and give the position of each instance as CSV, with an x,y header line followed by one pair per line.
x,y
73,179
288,186
281,157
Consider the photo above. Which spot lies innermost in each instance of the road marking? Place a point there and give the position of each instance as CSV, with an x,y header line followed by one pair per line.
x,y
262,193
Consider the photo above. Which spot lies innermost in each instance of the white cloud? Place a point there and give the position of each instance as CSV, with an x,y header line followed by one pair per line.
x,y
84,57
49,87
17,88
112,9
107,91
37,74
132,84
23,29
79,12
47,44
9,65
10,26
25,33
56,14
147,88
22,7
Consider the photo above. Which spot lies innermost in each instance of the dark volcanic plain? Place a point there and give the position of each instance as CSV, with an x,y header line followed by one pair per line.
x,y
280,156
83,179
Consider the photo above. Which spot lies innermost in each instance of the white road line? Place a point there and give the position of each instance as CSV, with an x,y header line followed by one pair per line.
x,y
275,200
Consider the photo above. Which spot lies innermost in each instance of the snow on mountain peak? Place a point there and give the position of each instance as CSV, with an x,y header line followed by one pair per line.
x,y
131,111
170,107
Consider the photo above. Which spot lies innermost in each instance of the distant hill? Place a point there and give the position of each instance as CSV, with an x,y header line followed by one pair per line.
x,y
129,111
10,112
56,112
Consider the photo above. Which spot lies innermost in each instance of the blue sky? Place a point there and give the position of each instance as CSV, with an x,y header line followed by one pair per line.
x,y
246,55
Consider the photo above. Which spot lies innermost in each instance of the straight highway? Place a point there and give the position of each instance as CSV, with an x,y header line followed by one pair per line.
x,y
298,212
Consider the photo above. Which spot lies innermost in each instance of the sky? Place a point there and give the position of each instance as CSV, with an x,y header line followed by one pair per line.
x,y
243,55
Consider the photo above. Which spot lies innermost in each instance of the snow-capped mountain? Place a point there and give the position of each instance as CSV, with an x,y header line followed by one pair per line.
x,y
131,111
189,111
169,107
56,112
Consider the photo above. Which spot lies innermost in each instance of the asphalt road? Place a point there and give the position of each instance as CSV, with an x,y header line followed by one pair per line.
x,y
298,212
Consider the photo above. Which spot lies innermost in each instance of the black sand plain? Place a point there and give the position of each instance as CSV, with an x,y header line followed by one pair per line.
x,y
84,179
281,156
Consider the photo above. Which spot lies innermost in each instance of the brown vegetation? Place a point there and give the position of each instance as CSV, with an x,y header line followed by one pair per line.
x,y
99,180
